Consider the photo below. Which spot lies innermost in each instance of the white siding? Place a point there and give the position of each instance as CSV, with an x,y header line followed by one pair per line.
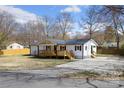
x,y
34,50
77,53
87,53
15,46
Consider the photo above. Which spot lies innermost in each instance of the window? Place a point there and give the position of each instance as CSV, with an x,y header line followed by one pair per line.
x,y
94,46
62,48
10,46
77,48
48,47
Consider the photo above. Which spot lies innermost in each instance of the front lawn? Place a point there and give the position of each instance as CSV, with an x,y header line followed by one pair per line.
x,y
27,62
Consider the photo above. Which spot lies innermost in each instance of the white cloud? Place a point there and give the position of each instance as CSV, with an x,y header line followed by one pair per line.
x,y
20,15
72,8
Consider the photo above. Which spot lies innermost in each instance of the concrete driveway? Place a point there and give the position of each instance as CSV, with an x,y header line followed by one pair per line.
x,y
102,65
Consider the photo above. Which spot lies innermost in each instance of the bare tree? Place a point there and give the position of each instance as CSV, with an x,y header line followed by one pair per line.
x,y
48,25
109,34
7,26
78,35
65,24
19,35
34,31
91,22
55,33
113,14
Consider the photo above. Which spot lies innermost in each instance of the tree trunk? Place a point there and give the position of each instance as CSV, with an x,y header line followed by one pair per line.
x,y
90,34
118,41
116,31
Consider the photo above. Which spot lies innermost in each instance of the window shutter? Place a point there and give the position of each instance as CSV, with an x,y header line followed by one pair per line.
x,y
80,48
46,47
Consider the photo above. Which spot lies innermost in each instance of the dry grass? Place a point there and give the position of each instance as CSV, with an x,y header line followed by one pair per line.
x,y
92,75
82,74
27,62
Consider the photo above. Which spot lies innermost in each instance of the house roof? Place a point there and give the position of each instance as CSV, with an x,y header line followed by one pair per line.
x,y
77,41
48,41
56,41
35,43
68,42
15,44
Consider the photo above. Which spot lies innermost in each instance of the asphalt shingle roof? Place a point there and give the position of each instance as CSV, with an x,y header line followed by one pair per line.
x,y
68,42
77,41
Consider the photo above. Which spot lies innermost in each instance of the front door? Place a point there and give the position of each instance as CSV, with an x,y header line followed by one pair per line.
x,y
91,49
55,48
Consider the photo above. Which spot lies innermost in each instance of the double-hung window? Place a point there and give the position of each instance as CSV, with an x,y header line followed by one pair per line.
x,y
77,47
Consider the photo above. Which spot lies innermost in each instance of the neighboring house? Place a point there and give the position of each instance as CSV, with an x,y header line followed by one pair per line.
x,y
109,44
15,46
80,48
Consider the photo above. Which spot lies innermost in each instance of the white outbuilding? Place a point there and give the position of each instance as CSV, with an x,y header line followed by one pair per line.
x,y
15,46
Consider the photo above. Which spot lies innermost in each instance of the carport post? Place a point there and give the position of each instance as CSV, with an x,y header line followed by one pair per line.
x,y
38,50
30,49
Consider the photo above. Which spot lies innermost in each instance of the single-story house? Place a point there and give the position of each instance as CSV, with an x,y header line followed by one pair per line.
x,y
15,46
80,48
